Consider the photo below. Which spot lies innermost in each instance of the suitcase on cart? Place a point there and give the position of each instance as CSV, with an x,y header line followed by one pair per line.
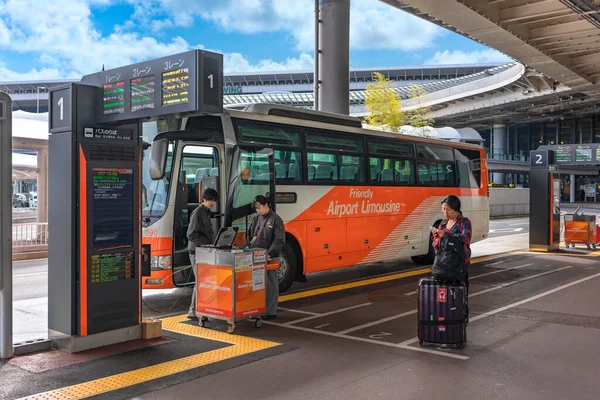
x,y
442,313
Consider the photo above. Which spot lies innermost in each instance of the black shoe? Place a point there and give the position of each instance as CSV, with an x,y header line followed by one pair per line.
x,y
267,317
192,317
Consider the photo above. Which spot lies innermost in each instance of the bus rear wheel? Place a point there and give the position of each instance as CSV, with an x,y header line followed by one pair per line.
x,y
287,271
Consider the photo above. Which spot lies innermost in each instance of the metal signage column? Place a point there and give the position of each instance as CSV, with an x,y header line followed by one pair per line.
x,y
544,202
94,283
6,303
94,274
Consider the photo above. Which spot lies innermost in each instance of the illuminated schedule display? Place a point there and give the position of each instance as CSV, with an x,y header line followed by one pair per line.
x,y
112,267
142,93
113,98
175,87
564,154
583,154
190,82
112,208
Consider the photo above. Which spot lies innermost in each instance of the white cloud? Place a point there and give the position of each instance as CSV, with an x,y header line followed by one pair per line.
x,y
461,57
373,25
5,34
235,62
7,75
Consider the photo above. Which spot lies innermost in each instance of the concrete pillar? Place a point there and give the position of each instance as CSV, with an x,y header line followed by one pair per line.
x,y
499,144
572,188
42,185
334,56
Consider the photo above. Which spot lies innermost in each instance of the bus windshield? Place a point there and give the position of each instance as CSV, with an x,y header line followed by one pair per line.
x,y
155,194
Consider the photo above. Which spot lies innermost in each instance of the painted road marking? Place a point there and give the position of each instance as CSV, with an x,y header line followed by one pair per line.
x,y
493,288
516,304
406,345
297,321
372,281
366,340
240,345
297,311
482,275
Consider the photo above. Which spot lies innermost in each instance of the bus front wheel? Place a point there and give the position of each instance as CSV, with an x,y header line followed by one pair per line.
x,y
287,271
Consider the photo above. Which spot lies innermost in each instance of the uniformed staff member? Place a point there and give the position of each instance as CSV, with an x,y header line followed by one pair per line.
x,y
267,232
200,232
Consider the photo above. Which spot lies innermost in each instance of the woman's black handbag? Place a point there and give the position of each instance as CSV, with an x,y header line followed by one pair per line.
x,y
449,259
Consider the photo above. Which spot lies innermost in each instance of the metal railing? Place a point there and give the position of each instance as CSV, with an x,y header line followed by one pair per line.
x,y
508,157
30,235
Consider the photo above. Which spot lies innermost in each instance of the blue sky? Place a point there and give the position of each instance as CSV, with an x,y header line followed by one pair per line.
x,y
54,39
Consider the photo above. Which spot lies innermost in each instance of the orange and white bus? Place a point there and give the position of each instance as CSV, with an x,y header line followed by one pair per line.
x,y
347,195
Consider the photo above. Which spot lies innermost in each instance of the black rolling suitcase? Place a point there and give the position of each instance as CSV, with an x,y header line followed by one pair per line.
x,y
442,313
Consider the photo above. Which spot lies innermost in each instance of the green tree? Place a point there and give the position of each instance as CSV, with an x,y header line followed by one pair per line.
x,y
420,116
383,104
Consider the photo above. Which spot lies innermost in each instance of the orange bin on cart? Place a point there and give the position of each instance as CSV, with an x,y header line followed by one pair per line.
x,y
231,285
581,229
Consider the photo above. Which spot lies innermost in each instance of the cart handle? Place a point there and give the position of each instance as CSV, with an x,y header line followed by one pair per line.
x,y
273,265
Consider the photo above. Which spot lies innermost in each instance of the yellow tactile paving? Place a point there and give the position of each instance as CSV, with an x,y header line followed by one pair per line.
x,y
240,345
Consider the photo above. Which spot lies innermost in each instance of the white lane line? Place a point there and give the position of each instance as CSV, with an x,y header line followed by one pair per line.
x,y
527,278
327,313
532,298
30,274
516,304
381,321
321,326
497,271
493,288
297,311
365,340
482,275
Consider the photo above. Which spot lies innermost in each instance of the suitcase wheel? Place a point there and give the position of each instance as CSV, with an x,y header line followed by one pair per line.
x,y
421,343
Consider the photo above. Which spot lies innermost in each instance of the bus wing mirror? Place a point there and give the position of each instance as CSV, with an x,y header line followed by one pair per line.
x,y
158,159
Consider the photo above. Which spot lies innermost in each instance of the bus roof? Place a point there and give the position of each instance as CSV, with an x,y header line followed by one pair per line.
x,y
330,121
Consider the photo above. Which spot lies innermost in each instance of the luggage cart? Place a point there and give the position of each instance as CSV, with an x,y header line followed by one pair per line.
x,y
581,229
231,285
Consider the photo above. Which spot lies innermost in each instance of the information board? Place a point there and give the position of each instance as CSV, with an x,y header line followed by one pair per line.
x,y
564,154
142,93
112,208
113,98
175,87
583,154
182,83
112,267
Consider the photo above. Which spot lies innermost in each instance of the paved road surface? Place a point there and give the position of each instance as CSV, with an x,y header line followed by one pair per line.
x,y
31,286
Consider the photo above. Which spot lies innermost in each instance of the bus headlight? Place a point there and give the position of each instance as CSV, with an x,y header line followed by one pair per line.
x,y
160,262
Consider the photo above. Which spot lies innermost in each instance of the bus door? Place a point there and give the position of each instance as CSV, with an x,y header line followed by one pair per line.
x,y
198,170
253,173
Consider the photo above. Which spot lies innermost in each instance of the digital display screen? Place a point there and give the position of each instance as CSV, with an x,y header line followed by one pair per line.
x,y
583,154
112,208
285,197
142,93
112,267
113,98
175,87
564,154
598,154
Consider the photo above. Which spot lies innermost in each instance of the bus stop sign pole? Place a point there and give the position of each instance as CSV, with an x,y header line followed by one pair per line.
x,y
6,316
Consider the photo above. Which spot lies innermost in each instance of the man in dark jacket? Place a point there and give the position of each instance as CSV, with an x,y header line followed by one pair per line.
x,y
200,232
267,232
